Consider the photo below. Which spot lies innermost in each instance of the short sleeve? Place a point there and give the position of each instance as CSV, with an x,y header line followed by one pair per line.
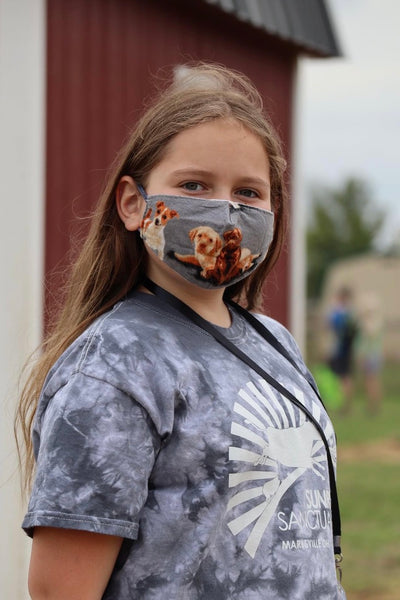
x,y
95,448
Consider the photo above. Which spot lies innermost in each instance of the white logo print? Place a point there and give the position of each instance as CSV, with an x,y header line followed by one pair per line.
x,y
285,444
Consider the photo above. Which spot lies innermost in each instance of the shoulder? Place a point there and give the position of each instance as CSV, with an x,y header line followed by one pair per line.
x,y
284,336
128,353
114,341
287,340
279,330
106,334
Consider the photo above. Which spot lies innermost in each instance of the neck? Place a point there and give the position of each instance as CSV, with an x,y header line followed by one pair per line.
x,y
208,303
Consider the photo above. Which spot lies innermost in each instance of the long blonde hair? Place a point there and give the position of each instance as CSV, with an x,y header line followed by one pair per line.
x,y
112,259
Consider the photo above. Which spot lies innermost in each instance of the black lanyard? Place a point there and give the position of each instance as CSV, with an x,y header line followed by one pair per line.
x,y
185,310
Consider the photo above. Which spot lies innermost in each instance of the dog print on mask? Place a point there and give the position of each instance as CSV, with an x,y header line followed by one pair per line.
x,y
207,246
220,260
232,260
153,230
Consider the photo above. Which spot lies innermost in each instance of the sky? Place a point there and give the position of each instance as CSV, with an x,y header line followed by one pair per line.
x,y
349,107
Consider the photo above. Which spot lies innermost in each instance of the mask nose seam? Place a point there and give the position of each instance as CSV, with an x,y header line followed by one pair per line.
x,y
235,205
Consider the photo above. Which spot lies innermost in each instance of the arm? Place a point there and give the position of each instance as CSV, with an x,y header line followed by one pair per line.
x,y
68,564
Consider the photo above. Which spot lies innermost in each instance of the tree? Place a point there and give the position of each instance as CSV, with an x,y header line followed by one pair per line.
x,y
343,222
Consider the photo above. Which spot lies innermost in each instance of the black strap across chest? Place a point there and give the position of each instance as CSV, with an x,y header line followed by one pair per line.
x,y
185,310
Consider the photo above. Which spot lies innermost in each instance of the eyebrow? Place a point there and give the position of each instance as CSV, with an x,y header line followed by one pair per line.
x,y
195,171
191,171
255,181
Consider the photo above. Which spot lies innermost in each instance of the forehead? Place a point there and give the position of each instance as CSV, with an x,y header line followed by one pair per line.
x,y
213,141
215,129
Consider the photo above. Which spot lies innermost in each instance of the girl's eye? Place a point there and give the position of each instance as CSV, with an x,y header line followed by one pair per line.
x,y
192,186
247,193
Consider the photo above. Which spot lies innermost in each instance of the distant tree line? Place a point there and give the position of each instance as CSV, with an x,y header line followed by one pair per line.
x,y
343,222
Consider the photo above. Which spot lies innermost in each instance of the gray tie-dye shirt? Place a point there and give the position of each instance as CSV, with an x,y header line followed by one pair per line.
x,y
149,429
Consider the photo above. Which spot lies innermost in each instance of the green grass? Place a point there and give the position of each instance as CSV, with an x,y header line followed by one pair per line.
x,y
370,500
369,494
361,427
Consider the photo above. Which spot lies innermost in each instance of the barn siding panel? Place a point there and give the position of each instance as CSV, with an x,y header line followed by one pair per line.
x,y
101,54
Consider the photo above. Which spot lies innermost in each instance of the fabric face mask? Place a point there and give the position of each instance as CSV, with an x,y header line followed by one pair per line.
x,y
211,243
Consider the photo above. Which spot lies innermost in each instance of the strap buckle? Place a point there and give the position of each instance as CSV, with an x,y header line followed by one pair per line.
x,y
338,564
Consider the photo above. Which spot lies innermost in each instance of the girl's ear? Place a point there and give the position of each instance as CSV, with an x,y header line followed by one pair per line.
x,y
130,203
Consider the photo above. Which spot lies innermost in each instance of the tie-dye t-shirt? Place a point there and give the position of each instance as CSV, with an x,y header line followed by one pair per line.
x,y
149,429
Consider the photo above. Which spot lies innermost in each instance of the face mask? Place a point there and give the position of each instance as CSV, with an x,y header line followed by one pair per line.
x,y
211,243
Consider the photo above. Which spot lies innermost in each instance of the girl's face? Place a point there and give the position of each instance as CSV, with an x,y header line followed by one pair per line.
x,y
218,159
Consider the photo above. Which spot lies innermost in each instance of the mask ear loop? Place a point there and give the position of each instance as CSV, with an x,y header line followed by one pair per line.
x,y
141,190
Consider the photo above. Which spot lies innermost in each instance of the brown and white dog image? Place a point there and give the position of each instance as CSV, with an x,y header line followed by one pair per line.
x,y
228,261
153,230
207,246
232,260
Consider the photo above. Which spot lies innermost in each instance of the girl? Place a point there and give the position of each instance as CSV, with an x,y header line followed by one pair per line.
x,y
181,450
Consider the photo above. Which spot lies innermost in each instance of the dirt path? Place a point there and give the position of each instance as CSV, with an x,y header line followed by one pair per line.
x,y
387,451
373,596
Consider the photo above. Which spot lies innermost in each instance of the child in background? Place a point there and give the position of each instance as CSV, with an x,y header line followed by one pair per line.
x,y
369,351
343,324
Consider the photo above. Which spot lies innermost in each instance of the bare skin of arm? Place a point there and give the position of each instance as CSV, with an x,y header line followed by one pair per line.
x,y
68,564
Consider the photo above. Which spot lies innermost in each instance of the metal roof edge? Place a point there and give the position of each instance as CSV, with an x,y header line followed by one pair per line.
x,y
307,24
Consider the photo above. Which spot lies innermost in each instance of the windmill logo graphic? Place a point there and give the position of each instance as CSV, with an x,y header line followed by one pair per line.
x,y
284,446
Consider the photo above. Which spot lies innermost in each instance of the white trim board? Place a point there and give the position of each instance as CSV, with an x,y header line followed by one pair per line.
x,y
22,156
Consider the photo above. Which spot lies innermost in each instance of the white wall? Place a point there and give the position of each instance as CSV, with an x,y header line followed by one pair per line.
x,y
297,301
22,109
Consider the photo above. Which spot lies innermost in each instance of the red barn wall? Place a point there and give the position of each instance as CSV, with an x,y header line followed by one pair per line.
x,y
101,57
